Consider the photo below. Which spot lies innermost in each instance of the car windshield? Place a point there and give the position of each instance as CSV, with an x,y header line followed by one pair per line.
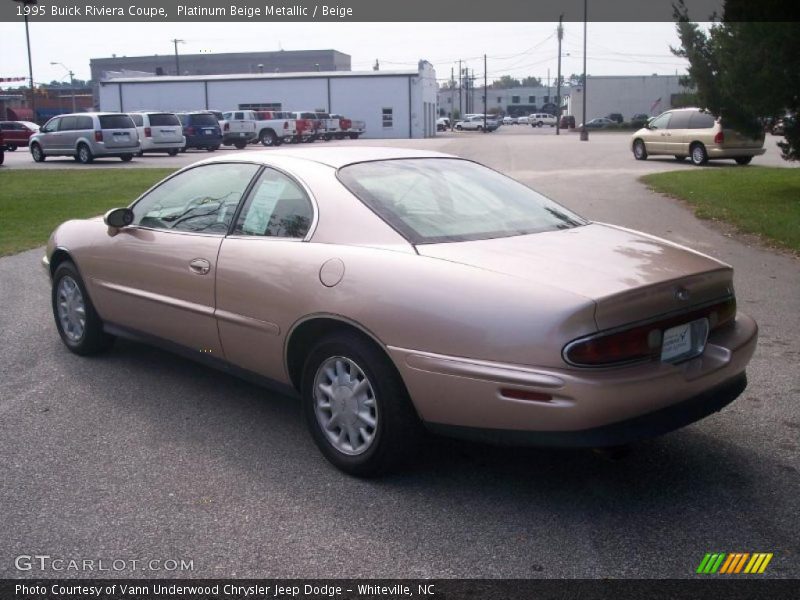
x,y
432,200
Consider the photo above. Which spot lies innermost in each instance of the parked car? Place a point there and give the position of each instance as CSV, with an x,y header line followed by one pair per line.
x,y
17,133
598,123
567,122
523,120
309,127
639,120
86,136
507,120
542,119
275,127
442,124
616,117
351,128
158,132
2,148
477,123
697,134
239,128
392,289
201,130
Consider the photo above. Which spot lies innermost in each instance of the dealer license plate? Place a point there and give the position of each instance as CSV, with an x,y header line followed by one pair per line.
x,y
677,341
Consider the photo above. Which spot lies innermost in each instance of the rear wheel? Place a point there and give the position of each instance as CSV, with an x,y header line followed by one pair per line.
x,y
356,406
268,138
172,152
698,154
743,160
36,153
77,322
240,145
126,157
639,150
12,148
354,136
84,155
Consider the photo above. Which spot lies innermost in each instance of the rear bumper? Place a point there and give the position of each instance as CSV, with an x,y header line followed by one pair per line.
x,y
453,392
148,145
716,152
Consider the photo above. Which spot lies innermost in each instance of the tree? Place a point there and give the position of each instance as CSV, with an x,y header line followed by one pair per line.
x,y
506,82
745,68
574,80
531,81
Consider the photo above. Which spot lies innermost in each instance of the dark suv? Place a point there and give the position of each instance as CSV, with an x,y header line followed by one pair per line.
x,y
201,130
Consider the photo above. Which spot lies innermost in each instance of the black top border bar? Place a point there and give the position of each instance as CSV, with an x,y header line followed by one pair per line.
x,y
407,11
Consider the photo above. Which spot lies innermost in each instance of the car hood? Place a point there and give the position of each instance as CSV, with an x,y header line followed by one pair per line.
x,y
629,275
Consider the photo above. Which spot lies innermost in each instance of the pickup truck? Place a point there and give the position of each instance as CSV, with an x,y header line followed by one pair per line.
x,y
331,125
349,128
309,127
238,128
275,127
476,123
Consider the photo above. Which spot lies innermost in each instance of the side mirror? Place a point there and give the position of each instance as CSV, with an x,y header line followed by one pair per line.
x,y
118,217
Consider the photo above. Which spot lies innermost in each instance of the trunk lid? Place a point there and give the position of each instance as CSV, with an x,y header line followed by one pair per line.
x,y
629,275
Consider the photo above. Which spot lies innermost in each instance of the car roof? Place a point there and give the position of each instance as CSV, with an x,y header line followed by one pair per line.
x,y
335,157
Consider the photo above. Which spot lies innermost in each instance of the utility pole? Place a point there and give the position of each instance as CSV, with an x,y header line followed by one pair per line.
x,y
558,77
177,62
25,4
584,133
460,114
485,93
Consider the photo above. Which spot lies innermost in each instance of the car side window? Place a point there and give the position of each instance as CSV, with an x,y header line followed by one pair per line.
x,y
277,207
660,122
83,123
701,120
680,119
51,126
200,200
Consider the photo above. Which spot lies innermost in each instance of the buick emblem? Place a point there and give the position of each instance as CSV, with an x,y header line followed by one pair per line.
x,y
682,294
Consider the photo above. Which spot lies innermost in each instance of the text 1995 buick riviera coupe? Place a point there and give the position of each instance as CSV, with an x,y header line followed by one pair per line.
x,y
400,290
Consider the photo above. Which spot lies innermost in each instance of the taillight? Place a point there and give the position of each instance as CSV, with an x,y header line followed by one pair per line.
x,y
98,136
643,342
286,124
227,127
148,132
719,138
189,130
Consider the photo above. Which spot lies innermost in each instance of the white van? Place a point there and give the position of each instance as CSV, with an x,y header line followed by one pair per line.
x,y
542,119
159,132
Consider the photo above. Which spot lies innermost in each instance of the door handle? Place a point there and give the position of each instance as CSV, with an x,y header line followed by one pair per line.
x,y
200,266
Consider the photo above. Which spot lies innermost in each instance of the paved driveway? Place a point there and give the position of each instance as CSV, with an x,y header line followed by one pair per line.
x,y
139,455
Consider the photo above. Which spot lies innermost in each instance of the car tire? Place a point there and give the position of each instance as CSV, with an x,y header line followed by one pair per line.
x,y
183,149
354,136
240,145
339,136
173,152
2,157
458,128
480,128
698,154
267,138
680,157
126,157
84,154
37,153
12,148
70,303
211,148
140,153
743,160
639,150
374,430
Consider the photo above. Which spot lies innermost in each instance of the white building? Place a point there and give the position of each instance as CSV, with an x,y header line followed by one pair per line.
x,y
393,104
626,94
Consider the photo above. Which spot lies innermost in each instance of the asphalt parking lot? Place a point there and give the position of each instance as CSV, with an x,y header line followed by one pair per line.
x,y
138,454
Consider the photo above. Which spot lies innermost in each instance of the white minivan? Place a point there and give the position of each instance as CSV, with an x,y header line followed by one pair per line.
x,y
159,132
542,119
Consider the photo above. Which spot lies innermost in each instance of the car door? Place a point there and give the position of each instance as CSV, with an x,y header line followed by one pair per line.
x,y
157,276
68,134
262,272
677,138
656,140
49,138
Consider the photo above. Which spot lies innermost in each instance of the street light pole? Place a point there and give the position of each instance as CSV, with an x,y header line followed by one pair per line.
x,y
25,4
584,133
558,76
71,82
177,62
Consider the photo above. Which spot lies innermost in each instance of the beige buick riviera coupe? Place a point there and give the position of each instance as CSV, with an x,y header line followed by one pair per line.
x,y
400,290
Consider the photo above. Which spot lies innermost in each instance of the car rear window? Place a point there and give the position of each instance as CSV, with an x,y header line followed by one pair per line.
x,y
161,119
432,200
137,119
116,122
205,120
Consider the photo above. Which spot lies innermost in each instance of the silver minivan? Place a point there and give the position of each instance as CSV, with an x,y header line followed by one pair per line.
x,y
86,136
159,132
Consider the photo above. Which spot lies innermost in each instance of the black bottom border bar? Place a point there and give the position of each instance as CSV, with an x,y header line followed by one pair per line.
x,y
706,587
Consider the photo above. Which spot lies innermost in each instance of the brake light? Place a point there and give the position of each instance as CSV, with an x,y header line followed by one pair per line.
x,y
286,124
98,136
719,138
643,342
148,132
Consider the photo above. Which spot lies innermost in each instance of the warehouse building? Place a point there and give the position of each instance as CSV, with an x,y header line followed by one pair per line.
x,y
393,104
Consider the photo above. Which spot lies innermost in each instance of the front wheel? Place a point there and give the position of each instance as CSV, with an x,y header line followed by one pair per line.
x,y
267,138
743,160
356,406
77,322
639,150
12,148
36,153
84,155
699,155
173,152
127,157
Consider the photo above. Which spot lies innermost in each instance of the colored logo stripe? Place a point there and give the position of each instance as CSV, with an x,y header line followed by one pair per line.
x,y
722,563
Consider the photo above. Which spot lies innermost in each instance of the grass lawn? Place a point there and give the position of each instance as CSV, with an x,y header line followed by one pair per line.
x,y
33,203
760,200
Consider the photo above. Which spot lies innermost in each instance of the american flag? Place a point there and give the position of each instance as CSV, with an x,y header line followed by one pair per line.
x,y
655,105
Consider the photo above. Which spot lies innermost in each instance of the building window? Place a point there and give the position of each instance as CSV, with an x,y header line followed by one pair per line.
x,y
514,99
275,106
449,100
499,99
388,118
531,99
546,99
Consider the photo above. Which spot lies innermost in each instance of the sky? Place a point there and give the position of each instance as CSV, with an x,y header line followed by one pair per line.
x,y
518,49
